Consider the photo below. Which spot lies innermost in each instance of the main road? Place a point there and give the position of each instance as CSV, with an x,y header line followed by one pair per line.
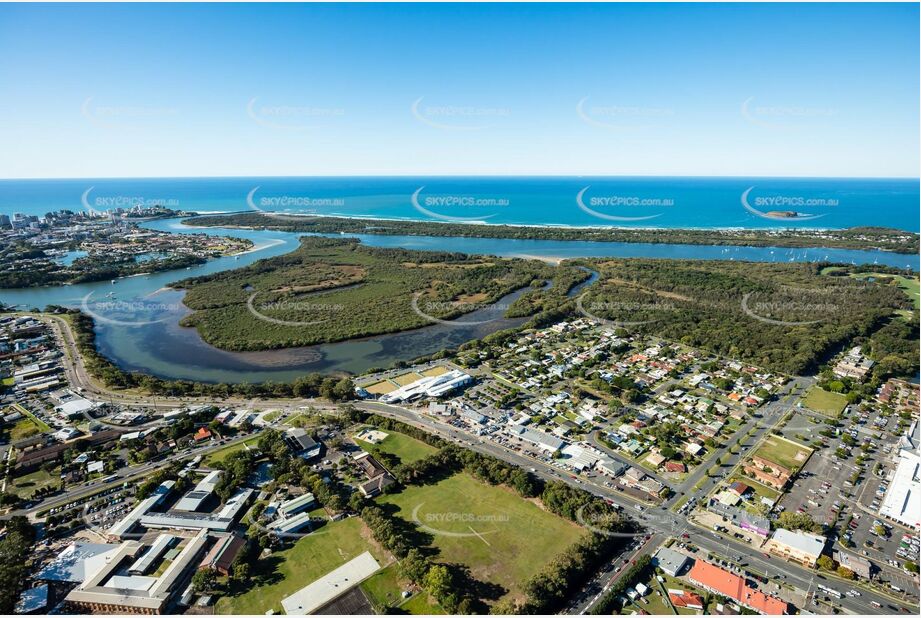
x,y
659,520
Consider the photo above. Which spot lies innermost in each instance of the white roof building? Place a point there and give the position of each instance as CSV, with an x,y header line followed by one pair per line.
x,y
902,503
331,586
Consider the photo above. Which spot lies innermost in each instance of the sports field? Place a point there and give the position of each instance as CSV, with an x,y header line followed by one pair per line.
x,y
284,572
503,538
823,402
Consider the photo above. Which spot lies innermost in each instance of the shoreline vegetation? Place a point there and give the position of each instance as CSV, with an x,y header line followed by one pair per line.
x,y
861,238
333,388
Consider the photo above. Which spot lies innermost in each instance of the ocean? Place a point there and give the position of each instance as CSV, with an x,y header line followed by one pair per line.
x,y
827,203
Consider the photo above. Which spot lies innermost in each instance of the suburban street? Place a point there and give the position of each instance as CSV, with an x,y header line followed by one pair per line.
x,y
660,520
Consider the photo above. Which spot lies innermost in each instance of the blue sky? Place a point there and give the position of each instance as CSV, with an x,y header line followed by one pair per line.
x,y
250,90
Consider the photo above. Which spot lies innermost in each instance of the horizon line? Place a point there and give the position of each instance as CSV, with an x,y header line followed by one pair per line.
x,y
379,176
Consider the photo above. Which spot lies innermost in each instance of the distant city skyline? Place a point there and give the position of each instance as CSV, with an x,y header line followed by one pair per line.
x,y
766,90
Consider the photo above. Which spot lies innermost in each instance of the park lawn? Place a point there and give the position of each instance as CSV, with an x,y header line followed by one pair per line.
x,y
422,604
406,448
503,538
824,402
220,455
24,485
784,452
284,572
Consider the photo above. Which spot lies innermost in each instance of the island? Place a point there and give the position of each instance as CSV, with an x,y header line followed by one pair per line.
x,y
865,238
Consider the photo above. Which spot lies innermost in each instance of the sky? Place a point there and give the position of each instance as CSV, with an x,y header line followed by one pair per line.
x,y
442,89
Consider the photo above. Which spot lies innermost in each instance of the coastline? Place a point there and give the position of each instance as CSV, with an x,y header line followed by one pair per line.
x,y
294,218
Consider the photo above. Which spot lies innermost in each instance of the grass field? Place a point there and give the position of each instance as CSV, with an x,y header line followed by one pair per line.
x,y
501,537
220,455
406,448
24,485
784,452
285,572
42,425
24,428
823,402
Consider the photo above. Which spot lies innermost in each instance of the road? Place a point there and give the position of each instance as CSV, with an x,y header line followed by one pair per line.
x,y
124,474
660,520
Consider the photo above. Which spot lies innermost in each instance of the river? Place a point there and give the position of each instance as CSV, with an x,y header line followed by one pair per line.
x,y
138,317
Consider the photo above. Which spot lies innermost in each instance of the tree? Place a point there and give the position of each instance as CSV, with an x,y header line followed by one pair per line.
x,y
414,566
438,581
825,562
911,566
846,573
204,580
241,572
